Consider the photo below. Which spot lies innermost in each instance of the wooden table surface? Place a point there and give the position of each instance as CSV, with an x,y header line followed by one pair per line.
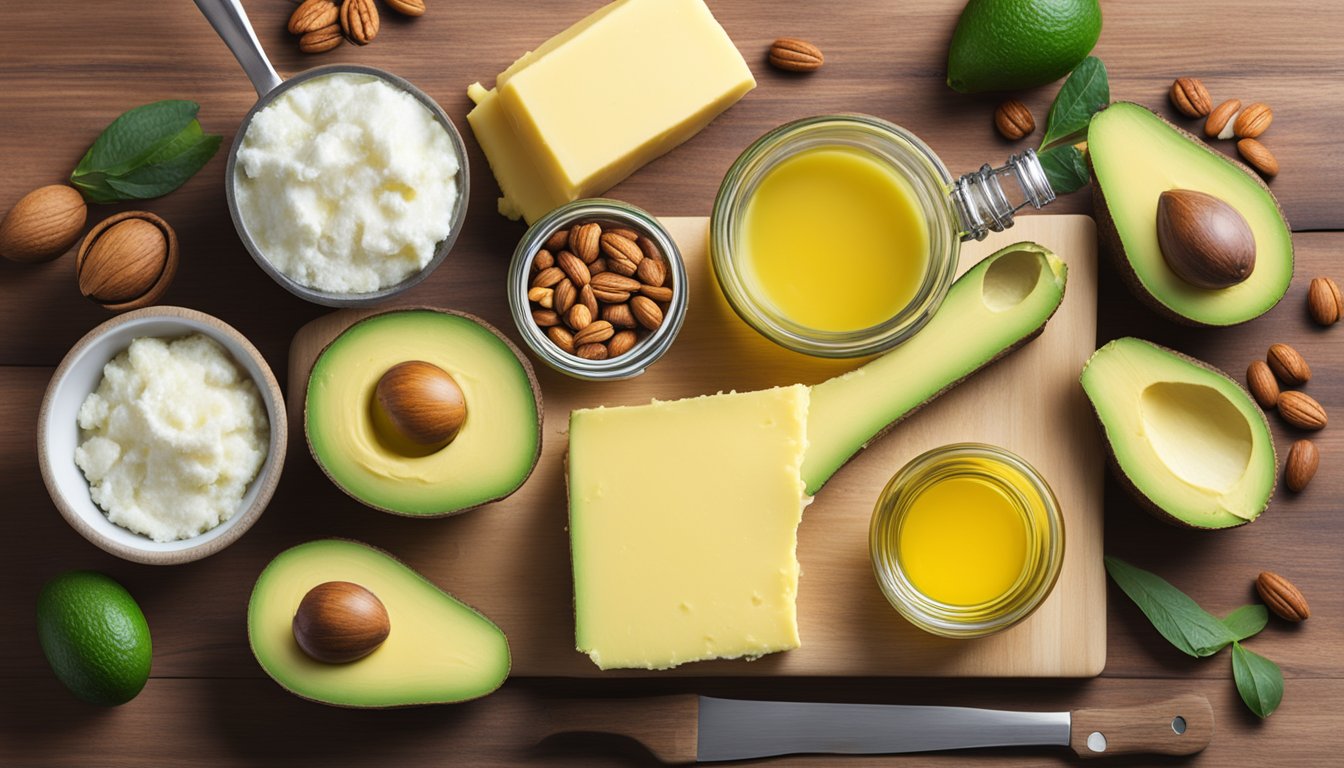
x,y
70,66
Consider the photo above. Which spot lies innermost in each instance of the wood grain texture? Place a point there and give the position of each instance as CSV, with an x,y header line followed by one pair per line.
x,y
70,66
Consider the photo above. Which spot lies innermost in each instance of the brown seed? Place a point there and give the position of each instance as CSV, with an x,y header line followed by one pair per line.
x,y
1014,120
1303,461
623,255
1262,384
657,293
573,267
628,234
565,295
794,55
558,240
1220,117
321,40
421,403
1288,364
1302,411
127,260
545,318
651,272
359,21
407,7
1324,303
588,299
619,315
583,241
598,266
646,312
312,15
598,330
649,249
610,281
1259,157
1253,121
611,297
338,622
548,277
543,260
594,351
622,342
1190,97
43,224
561,337
1284,599
578,317
543,296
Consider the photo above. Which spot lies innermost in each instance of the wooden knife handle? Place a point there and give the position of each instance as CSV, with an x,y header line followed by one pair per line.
x,y
1179,726
668,726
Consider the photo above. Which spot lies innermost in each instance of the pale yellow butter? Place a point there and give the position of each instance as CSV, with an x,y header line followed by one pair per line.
x,y
683,527
601,99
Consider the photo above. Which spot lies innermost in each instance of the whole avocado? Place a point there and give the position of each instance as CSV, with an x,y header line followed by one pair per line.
x,y
1003,45
94,637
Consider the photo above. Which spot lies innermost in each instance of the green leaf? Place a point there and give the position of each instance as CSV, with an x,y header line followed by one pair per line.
x,y
1065,168
137,134
1082,95
1259,681
159,179
1178,618
1246,621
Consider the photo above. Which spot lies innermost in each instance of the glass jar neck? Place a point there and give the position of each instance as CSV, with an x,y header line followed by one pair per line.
x,y
985,200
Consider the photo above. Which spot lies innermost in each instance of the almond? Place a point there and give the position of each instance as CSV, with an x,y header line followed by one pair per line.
x,y
1014,120
651,272
1262,384
657,293
588,299
623,255
359,21
611,297
543,296
561,337
646,312
543,260
598,330
558,240
1220,118
594,351
794,55
621,342
649,249
574,267
1324,303
127,260
1253,121
312,15
43,224
1284,599
628,234
407,7
1190,97
583,241
565,295
545,317
1301,410
548,277
619,315
578,317
1303,461
610,281
321,40
1259,157
1288,364
598,266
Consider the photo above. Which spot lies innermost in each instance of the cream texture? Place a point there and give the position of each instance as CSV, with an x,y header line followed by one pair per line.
x,y
346,183
172,436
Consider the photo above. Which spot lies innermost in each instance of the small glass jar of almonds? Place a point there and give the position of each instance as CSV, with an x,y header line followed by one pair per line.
x,y
598,289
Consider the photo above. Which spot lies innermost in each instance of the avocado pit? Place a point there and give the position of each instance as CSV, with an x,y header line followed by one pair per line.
x,y
1205,241
338,622
418,407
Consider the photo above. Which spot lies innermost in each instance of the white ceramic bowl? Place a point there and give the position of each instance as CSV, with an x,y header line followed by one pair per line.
x,y
58,434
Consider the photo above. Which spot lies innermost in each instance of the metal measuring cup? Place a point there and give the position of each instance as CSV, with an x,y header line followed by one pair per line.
x,y
231,24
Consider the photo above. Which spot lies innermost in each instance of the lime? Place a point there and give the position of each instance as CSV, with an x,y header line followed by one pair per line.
x,y
1004,45
94,636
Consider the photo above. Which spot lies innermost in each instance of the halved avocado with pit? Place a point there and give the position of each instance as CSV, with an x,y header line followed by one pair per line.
x,y
1135,157
492,453
1186,439
438,650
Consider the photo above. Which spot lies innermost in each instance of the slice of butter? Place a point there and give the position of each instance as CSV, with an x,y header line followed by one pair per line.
x,y
683,521
596,102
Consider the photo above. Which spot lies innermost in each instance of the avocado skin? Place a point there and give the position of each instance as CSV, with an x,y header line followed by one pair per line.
x,y
1108,236
1133,490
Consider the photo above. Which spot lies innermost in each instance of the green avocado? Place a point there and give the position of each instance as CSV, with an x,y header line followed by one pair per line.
x,y
438,650
1135,157
1000,304
1186,439
1008,45
94,637
493,452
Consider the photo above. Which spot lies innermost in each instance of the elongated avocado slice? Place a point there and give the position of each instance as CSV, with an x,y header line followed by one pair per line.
x,y
1186,439
1135,157
1000,304
439,650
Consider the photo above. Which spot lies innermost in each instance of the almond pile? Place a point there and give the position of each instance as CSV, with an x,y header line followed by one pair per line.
x,y
597,290
1284,366
1228,120
322,25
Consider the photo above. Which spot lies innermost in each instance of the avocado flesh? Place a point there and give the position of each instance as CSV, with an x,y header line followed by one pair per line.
x,y
997,306
439,650
491,455
1136,156
1186,439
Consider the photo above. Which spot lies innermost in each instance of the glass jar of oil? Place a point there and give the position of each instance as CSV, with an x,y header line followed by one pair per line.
x,y
966,540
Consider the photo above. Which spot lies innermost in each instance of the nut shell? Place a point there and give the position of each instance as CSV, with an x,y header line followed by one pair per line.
x,y
1253,121
1190,97
321,40
1014,120
43,224
407,7
1284,599
1220,117
794,55
127,260
359,21
312,15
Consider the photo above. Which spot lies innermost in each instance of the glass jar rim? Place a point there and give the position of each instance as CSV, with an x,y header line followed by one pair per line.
x,y
1006,610
647,350
896,147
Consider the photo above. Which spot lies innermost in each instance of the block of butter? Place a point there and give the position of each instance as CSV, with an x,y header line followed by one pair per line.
x,y
596,102
683,522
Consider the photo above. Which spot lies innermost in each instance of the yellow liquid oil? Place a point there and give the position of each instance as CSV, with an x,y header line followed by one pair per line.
x,y
834,239
965,540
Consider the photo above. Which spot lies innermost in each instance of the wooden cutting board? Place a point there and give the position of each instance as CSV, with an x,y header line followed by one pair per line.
x,y
515,565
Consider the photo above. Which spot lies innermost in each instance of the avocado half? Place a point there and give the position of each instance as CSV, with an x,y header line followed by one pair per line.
x,y
1136,156
997,306
1185,439
439,650
493,453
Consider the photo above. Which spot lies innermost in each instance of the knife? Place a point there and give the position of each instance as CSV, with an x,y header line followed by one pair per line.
x,y
688,728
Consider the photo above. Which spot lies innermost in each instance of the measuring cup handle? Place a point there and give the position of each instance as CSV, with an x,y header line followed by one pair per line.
x,y
231,24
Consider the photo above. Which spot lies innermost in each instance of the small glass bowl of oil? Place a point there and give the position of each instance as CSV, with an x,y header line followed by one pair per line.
x,y
966,540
